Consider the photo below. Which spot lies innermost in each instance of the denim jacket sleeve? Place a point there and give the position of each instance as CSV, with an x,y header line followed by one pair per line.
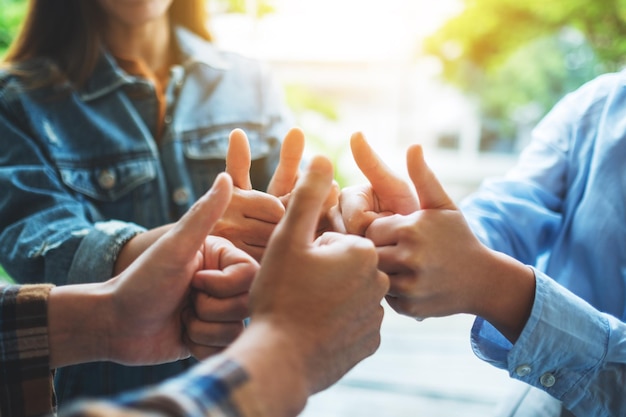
x,y
567,348
42,222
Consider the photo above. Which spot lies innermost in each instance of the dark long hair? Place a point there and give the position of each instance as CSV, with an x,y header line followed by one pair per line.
x,y
68,33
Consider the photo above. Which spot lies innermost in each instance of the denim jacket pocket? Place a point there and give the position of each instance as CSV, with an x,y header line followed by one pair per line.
x,y
108,182
205,152
203,145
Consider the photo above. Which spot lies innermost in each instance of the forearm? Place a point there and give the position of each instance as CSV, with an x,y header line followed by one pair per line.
x,y
506,294
136,246
277,379
77,330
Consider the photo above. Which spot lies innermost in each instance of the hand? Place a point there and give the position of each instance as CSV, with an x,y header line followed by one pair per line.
x,y
135,318
438,267
251,215
315,304
220,298
151,293
385,195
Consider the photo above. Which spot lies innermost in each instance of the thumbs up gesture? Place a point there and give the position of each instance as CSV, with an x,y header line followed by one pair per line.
x,y
431,255
321,294
436,266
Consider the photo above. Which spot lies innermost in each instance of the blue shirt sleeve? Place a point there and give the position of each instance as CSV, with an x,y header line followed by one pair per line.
x,y
567,348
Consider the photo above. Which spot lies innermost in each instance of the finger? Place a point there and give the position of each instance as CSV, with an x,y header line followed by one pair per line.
x,y
384,231
403,284
357,205
286,173
200,352
220,253
201,335
233,280
238,159
404,306
306,201
385,182
213,334
429,190
189,232
220,310
258,205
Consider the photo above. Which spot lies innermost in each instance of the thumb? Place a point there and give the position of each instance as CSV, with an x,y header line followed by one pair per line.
x,y
190,231
306,201
288,167
387,185
429,190
238,159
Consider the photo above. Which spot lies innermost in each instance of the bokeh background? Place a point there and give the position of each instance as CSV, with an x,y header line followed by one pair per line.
x,y
466,78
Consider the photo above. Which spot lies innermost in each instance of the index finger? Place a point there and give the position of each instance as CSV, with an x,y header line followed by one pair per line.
x,y
307,199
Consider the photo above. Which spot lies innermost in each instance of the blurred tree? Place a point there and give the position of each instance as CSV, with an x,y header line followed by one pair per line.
x,y
11,13
487,32
520,58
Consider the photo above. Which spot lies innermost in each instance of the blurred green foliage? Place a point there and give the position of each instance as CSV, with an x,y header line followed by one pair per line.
x,y
519,58
11,13
4,277
487,32
262,7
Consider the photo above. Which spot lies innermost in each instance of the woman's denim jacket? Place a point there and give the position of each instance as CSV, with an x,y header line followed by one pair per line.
x,y
81,172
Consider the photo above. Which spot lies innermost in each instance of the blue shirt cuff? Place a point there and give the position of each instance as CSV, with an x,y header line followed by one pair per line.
x,y
564,340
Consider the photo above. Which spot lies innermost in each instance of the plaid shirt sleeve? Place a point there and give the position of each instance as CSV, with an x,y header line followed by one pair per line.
x,y
26,387
215,388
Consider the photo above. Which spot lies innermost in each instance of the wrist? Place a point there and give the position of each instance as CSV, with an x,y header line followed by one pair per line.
x,y
278,377
77,324
507,298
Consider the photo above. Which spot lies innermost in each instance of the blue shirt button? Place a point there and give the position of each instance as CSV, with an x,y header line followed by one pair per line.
x,y
547,380
523,370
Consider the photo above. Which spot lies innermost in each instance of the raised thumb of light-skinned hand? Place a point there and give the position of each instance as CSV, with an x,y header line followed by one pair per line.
x,y
431,193
239,159
288,168
392,191
305,205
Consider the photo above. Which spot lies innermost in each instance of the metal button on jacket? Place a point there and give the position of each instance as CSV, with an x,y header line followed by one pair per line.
x,y
107,179
180,196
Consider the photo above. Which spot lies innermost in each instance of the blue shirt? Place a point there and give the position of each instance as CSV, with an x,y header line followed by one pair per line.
x,y
562,209
81,171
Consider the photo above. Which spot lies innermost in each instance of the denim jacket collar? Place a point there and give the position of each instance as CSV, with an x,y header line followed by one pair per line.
x,y
108,76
